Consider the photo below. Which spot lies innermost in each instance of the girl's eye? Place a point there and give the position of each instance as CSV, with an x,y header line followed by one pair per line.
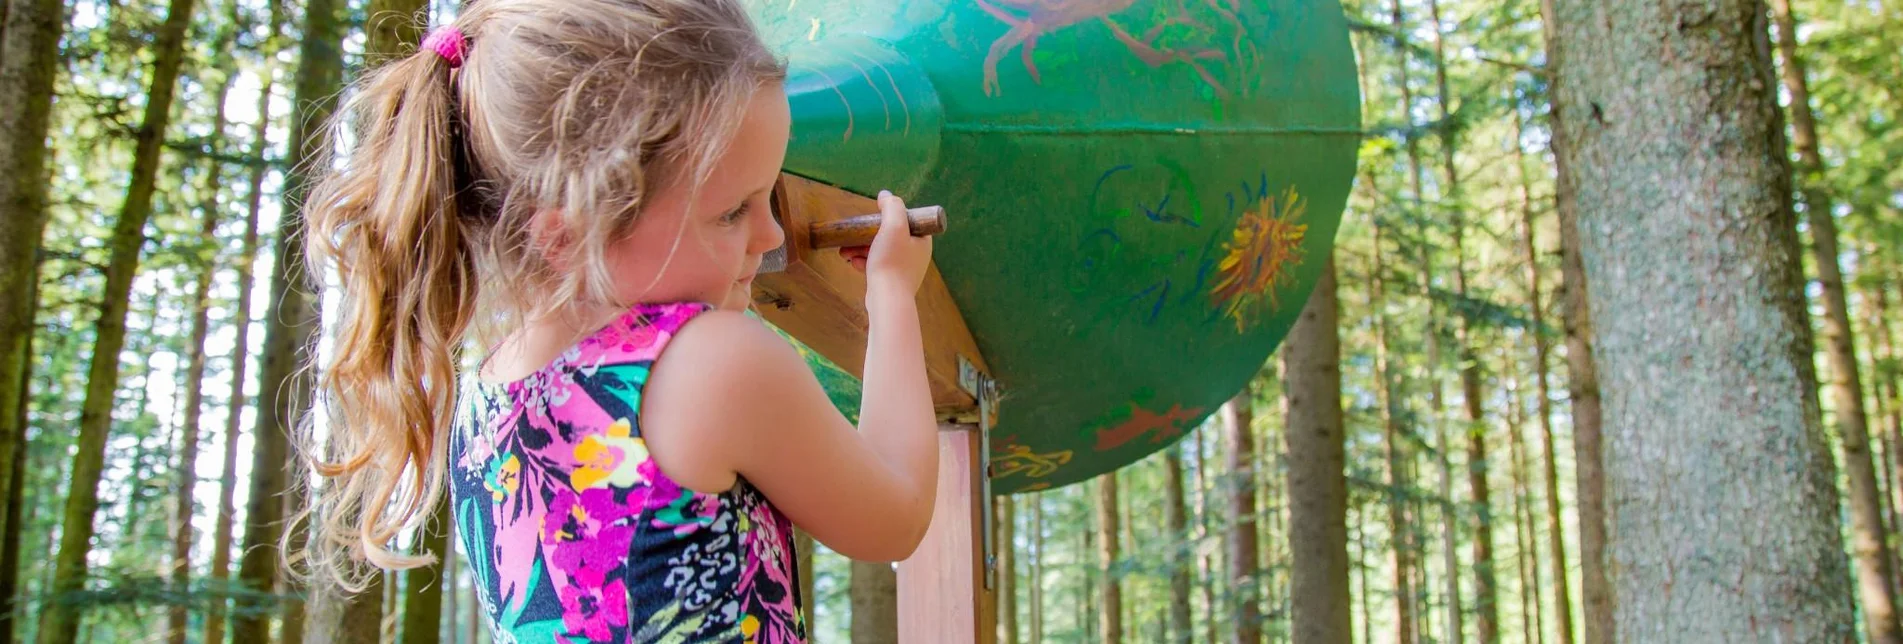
x,y
734,216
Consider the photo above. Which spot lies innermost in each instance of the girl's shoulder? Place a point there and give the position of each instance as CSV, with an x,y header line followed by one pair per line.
x,y
639,335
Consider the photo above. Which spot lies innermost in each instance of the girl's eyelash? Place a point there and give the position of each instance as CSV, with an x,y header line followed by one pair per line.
x,y
735,214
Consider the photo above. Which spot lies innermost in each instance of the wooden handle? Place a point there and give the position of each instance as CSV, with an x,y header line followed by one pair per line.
x,y
859,230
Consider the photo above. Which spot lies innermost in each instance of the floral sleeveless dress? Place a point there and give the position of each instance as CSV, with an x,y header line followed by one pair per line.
x,y
575,536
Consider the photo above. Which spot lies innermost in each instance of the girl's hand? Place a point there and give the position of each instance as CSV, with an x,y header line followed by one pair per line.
x,y
896,259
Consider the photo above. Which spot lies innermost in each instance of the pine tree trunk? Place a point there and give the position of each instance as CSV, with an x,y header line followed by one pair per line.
x,y
1132,620
874,588
1869,540
1268,446
240,359
11,540
29,62
1361,570
476,631
1486,592
1450,531
453,580
59,622
803,552
1111,626
1206,564
200,327
1887,402
1677,157
1007,586
1237,419
1582,384
423,587
1088,533
291,323
1317,481
354,619
1543,406
1037,568
1176,515
294,609
387,609
1525,537
1399,523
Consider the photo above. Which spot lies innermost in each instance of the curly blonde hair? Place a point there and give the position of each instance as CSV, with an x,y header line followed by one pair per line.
x,y
565,116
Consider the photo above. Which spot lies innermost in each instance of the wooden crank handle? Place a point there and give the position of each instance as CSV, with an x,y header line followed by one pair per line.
x,y
859,230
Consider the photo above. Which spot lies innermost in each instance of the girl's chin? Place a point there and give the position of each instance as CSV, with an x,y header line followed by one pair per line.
x,y
739,296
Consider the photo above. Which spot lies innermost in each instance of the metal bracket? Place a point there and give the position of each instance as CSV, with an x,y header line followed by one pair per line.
x,y
985,390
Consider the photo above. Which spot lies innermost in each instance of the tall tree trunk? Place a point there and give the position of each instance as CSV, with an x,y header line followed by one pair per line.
x,y
1543,406
423,587
291,324
1486,594
1269,448
476,631
1037,568
29,63
1176,515
1869,539
388,608
1007,586
213,211
874,589
1678,160
59,622
1399,524
1206,565
1088,533
803,552
240,359
1129,543
1317,480
339,619
11,540
1525,537
452,579
1111,626
1361,570
293,611
1237,418
1883,351
1450,531
1582,385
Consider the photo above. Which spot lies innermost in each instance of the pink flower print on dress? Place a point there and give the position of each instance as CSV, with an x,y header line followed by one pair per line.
x,y
587,535
595,612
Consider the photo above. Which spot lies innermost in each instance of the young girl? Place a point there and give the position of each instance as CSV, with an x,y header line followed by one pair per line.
x,y
581,187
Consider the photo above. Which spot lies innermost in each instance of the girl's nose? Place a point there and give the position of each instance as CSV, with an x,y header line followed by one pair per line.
x,y
766,232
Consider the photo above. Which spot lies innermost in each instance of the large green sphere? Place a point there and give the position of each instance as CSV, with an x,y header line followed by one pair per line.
x,y
1141,192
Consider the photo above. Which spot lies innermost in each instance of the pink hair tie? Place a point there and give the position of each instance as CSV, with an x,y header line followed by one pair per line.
x,y
450,43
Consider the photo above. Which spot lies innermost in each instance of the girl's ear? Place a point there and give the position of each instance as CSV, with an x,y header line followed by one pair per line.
x,y
550,236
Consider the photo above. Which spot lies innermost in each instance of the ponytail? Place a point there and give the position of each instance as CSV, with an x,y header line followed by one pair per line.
x,y
572,107
388,224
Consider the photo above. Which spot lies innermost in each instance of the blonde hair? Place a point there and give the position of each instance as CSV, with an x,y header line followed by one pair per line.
x,y
566,117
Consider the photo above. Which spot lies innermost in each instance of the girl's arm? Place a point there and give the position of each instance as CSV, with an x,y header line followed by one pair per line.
x,y
731,396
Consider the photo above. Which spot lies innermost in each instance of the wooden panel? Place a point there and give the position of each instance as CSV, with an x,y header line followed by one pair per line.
x,y
820,298
942,594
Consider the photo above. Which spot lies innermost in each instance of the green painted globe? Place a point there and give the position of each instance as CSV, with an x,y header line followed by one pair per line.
x,y
1142,192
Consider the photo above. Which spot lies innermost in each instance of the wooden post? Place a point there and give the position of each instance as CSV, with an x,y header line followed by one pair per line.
x,y
943,596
